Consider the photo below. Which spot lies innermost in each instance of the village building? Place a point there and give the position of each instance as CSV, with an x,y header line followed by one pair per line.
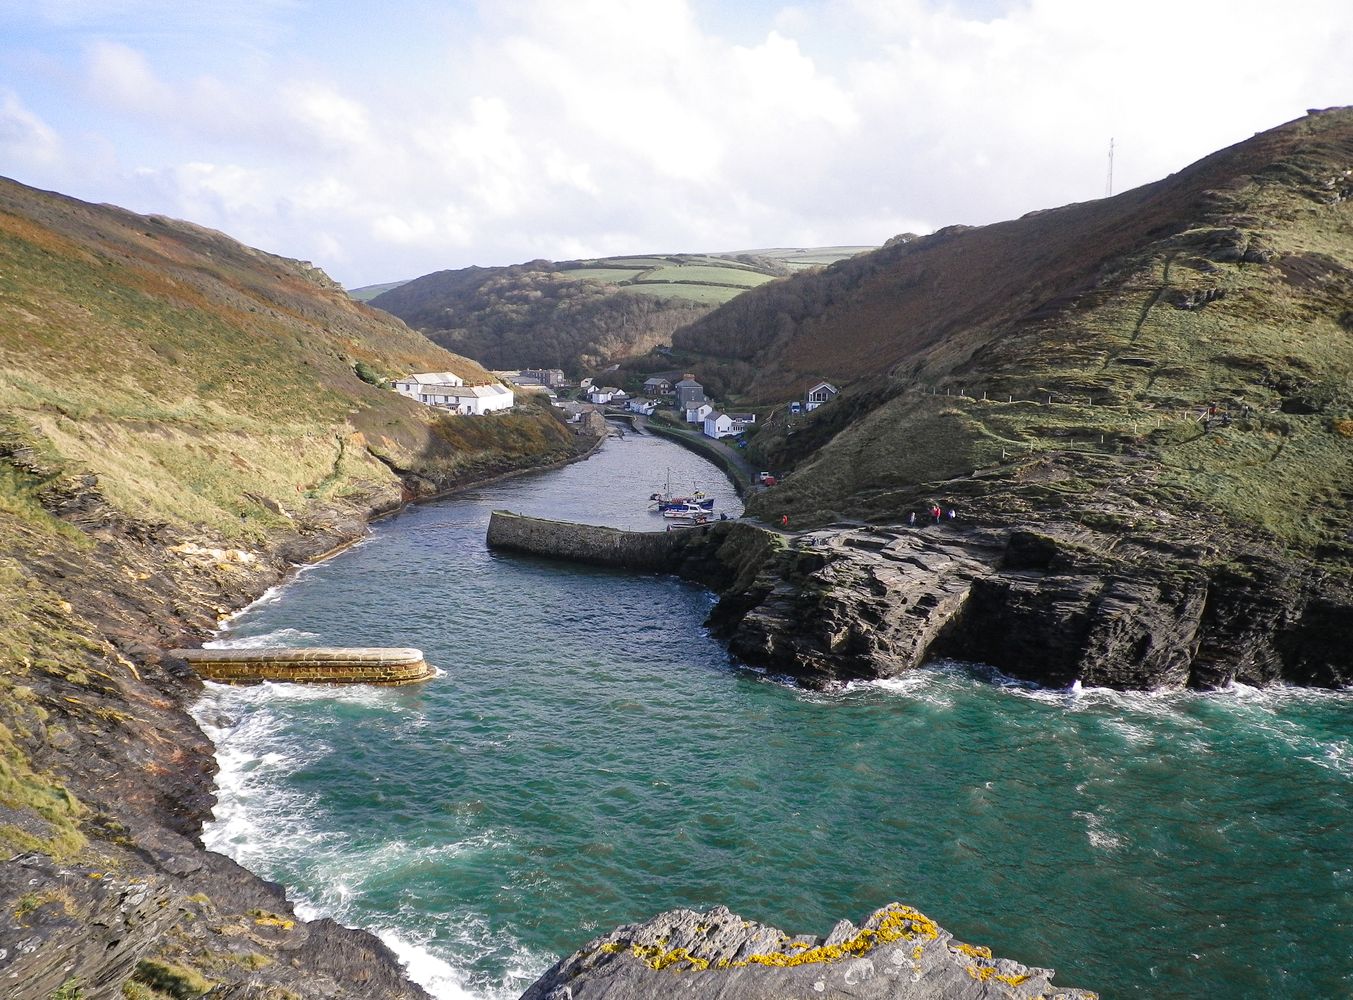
x,y
643,407
721,425
657,387
823,392
413,385
718,424
697,414
551,378
448,391
689,393
607,394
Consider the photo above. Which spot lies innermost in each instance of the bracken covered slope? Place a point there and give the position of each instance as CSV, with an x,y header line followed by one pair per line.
x,y
180,418
579,315
1159,385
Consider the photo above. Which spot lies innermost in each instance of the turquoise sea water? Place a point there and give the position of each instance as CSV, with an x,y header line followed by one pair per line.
x,y
589,756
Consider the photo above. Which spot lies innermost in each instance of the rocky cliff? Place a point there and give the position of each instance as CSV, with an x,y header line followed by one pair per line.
x,y
1056,604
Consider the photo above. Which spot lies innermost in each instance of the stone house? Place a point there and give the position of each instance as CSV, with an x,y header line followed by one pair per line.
x,y
689,393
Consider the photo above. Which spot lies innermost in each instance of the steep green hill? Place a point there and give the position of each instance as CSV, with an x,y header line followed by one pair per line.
x,y
580,314
181,417
1106,328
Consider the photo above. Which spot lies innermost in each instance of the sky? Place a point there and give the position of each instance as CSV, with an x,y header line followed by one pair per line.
x,y
385,141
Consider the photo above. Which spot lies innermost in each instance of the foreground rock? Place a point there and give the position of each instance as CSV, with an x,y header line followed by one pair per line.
x,y
896,954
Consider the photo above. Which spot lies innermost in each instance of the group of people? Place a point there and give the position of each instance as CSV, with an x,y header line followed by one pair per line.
x,y
936,514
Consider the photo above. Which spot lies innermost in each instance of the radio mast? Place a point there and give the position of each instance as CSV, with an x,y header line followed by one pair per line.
x,y
1108,185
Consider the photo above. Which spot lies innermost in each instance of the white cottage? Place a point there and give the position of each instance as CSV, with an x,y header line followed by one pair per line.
x,y
823,392
718,425
448,391
696,414
419,385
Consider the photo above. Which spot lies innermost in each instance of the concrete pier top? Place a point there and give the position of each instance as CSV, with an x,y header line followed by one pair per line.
x,y
313,665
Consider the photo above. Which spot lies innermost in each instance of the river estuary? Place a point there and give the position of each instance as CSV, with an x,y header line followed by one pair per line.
x,y
589,756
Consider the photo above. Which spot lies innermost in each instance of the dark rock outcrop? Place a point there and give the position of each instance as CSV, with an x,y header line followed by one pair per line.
x,y
1066,603
896,954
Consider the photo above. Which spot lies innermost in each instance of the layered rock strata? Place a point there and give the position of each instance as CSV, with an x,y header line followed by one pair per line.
x,y
896,954
1056,605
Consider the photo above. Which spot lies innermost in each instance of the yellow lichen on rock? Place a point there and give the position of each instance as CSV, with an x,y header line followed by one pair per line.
x,y
972,950
984,972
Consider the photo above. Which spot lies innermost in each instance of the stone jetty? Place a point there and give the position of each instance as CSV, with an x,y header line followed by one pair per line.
x,y
319,665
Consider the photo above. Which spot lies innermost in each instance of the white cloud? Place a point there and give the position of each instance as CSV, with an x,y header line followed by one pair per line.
x,y
605,126
121,78
326,115
25,139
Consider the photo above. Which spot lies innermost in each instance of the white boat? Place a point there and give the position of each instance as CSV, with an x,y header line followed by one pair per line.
x,y
687,512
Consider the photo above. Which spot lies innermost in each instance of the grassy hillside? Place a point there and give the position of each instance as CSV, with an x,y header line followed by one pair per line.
x,y
154,354
180,416
580,314
975,359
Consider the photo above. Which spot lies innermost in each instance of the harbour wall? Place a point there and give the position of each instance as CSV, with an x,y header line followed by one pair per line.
x,y
318,665
721,555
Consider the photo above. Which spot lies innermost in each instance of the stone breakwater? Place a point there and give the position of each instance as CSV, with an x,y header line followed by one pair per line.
x,y
898,953
723,555
317,665
645,551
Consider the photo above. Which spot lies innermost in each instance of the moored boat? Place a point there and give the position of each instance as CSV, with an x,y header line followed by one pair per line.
x,y
688,511
664,500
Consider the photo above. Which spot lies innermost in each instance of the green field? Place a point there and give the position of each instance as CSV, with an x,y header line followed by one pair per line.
x,y
709,279
368,292
705,276
712,295
614,275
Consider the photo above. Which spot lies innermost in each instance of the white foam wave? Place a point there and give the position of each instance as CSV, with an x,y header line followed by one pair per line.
x,y
280,637
436,975
269,596
256,754
934,684
1099,837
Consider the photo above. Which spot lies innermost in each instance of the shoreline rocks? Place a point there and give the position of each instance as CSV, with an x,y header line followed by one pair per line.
x,y
897,953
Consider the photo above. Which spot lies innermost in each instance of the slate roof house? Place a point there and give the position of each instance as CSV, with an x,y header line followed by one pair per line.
x,y
689,393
